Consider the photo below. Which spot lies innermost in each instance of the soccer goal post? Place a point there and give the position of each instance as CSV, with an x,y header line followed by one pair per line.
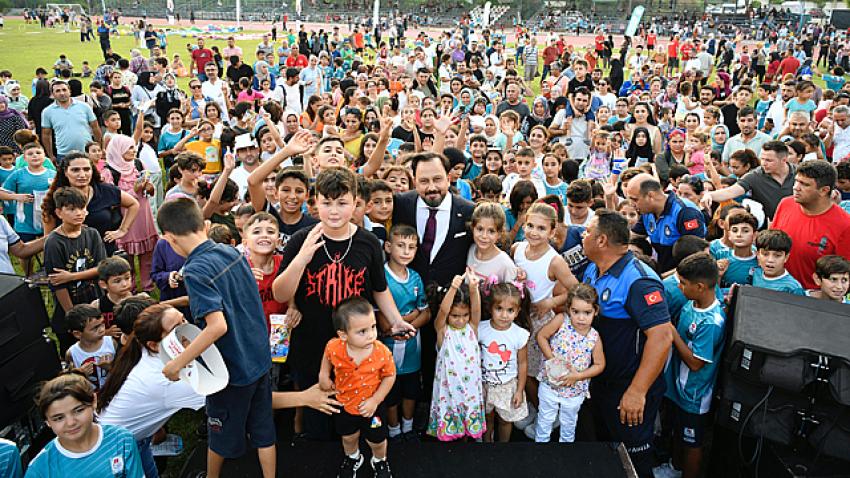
x,y
72,7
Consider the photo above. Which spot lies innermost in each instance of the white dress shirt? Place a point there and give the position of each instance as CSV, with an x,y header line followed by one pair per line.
x,y
444,211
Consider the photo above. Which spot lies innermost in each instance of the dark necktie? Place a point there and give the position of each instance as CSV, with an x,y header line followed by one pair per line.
x,y
430,234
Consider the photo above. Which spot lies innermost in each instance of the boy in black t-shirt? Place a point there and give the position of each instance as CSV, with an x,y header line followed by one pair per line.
x,y
71,254
292,191
322,265
114,277
581,78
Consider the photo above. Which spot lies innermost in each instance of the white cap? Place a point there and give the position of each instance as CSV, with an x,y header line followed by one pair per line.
x,y
244,141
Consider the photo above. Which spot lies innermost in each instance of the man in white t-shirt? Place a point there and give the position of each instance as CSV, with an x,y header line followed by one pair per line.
x,y
497,60
248,154
216,88
288,93
841,133
776,113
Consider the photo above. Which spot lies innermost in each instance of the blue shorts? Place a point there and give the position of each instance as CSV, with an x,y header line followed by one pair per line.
x,y
238,414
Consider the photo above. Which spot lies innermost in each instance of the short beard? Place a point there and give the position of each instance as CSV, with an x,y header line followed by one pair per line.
x,y
434,204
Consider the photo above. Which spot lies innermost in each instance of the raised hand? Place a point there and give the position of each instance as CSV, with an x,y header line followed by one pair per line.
x,y
300,143
311,244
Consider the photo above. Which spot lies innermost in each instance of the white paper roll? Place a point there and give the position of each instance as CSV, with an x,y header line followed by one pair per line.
x,y
205,380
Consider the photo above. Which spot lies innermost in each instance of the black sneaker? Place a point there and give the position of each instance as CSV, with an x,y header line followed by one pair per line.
x,y
412,435
382,469
350,466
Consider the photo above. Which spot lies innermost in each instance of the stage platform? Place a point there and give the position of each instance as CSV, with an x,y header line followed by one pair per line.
x,y
433,459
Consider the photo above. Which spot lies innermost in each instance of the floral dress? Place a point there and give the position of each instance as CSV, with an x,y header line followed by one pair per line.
x,y
457,404
576,350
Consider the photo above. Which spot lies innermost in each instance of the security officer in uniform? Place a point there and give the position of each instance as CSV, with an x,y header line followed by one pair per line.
x,y
664,217
634,326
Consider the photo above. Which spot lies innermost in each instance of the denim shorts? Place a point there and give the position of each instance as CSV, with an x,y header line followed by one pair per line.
x,y
240,414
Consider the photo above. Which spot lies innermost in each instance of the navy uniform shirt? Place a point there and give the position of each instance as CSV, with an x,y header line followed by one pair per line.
x,y
679,218
631,300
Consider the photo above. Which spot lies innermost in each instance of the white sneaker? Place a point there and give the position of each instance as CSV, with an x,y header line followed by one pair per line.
x,y
666,470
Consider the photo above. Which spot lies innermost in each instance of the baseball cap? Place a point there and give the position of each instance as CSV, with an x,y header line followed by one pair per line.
x,y
244,141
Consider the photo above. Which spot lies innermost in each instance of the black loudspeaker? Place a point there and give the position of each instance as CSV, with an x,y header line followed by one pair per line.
x,y
786,374
27,355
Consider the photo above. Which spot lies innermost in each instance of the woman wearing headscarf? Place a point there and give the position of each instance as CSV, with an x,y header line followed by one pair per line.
x,y
465,101
539,116
170,97
138,63
122,168
10,122
719,134
673,154
616,75
144,98
262,72
495,138
17,101
311,78
640,148
38,103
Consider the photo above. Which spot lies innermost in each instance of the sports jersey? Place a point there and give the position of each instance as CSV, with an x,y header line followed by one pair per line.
x,y
740,270
23,181
409,295
718,250
10,459
114,455
702,331
676,299
784,283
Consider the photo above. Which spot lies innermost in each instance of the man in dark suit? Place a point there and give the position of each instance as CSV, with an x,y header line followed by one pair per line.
x,y
441,221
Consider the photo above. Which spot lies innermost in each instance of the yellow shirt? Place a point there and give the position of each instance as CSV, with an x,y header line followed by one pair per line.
x,y
353,146
210,151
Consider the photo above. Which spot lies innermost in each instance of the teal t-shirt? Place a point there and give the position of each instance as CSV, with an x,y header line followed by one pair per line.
x,y
409,295
702,330
783,283
115,454
21,163
23,181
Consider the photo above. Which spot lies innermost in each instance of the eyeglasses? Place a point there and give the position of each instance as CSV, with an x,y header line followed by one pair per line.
x,y
195,87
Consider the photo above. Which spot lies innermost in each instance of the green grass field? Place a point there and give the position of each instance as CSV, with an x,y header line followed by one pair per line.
x,y
24,47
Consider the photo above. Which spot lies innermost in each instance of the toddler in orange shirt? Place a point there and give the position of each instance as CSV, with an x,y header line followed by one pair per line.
x,y
363,374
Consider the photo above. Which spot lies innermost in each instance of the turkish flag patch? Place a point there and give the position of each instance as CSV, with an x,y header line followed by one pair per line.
x,y
691,225
653,298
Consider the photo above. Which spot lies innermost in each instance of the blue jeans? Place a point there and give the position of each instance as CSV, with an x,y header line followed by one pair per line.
x,y
148,463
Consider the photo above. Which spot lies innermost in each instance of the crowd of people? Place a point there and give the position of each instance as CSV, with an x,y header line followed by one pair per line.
x,y
457,257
